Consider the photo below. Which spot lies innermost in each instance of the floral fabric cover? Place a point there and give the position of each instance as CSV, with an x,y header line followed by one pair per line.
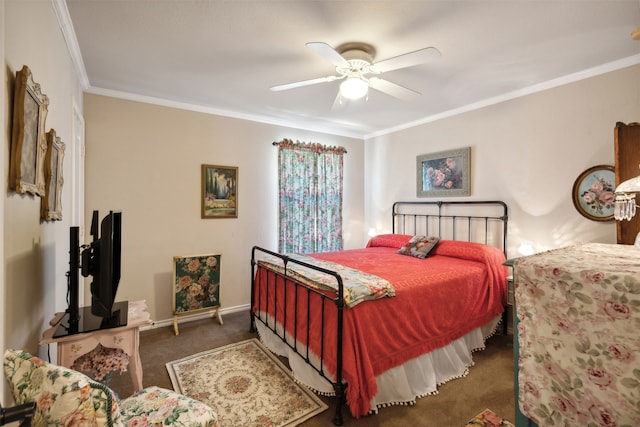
x,y
102,363
155,406
358,286
579,313
488,418
65,397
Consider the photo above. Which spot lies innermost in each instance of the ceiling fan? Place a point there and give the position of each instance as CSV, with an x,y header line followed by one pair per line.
x,y
354,64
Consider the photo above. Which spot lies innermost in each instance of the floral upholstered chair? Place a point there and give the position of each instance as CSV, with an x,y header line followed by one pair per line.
x,y
65,397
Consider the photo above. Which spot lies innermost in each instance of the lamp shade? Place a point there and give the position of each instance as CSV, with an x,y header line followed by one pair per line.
x,y
625,207
629,186
354,88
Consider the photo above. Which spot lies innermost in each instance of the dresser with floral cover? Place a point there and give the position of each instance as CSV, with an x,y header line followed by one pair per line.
x,y
578,336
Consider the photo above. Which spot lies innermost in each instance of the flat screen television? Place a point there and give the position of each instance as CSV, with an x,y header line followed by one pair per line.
x,y
100,259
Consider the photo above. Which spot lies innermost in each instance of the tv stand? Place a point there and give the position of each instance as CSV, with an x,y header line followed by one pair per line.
x,y
89,322
126,337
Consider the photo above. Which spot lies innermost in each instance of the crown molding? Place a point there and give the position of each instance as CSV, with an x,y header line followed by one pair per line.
x,y
550,84
64,21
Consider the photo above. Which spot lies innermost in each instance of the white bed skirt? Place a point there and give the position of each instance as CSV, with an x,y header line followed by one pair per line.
x,y
401,385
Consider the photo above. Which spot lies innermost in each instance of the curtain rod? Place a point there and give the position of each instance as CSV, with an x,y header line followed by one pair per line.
x,y
276,143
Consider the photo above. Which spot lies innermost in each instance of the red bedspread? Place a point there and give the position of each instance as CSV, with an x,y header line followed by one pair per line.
x,y
460,286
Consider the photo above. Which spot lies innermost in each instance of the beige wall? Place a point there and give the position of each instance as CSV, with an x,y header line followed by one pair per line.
x,y
35,253
145,160
527,152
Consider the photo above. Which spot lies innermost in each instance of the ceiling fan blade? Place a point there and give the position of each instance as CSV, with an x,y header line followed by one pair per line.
x,y
303,83
406,60
328,53
393,89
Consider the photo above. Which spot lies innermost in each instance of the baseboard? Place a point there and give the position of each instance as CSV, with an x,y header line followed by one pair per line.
x,y
196,316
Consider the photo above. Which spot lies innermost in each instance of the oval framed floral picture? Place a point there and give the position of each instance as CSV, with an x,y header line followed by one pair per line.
x,y
594,193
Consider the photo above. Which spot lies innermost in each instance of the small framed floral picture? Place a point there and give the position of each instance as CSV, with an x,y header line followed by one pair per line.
x,y
443,174
196,285
594,193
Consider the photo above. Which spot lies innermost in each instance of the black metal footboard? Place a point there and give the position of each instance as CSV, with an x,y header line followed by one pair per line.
x,y
278,281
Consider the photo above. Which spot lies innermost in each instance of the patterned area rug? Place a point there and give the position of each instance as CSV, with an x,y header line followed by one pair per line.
x,y
488,418
246,385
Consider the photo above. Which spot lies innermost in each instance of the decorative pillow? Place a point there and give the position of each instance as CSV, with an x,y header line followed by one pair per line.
x,y
389,240
65,397
62,396
155,406
469,250
419,246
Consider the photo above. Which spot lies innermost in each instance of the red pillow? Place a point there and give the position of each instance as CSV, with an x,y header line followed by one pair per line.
x,y
468,250
389,241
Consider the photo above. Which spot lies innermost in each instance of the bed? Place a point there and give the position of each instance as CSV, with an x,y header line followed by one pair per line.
x,y
375,327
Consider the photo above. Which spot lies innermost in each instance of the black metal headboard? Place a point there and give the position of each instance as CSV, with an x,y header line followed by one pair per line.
x,y
471,221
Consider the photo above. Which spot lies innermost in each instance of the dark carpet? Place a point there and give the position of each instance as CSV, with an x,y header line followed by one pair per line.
x,y
488,385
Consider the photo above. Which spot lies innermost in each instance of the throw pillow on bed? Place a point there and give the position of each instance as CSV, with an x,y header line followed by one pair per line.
x,y
389,240
419,246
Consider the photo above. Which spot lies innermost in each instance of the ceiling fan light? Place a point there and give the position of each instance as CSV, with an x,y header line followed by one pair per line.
x,y
354,88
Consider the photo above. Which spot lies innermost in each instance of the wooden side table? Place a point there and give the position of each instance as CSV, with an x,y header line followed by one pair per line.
x,y
127,338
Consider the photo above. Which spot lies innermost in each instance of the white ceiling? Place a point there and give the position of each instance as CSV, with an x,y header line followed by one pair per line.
x,y
223,56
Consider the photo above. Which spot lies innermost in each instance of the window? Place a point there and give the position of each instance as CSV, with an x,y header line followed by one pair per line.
x,y
310,197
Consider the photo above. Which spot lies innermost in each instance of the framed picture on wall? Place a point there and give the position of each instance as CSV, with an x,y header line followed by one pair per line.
x,y
445,173
51,203
28,141
219,191
594,193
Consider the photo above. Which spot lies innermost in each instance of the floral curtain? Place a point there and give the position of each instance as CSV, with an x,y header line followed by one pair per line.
x,y
310,197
